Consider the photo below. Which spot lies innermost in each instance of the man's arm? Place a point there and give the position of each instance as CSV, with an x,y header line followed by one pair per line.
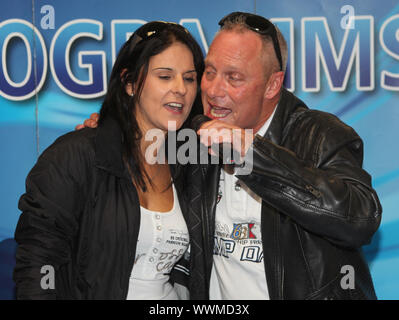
x,y
330,195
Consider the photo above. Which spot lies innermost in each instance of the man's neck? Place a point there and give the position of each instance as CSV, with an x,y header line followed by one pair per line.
x,y
262,123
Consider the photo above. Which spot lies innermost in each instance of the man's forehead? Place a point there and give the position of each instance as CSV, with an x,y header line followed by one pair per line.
x,y
233,45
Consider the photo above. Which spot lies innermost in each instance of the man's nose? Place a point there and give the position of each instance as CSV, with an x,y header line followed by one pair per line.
x,y
215,87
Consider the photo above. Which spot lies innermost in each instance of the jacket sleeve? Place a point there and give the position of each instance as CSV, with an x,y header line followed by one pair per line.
x,y
180,275
49,221
328,194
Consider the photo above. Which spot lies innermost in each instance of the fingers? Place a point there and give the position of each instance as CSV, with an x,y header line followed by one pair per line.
x,y
89,123
216,124
216,132
215,136
95,116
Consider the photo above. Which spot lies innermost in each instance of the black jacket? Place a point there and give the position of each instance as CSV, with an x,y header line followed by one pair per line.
x,y
318,207
80,216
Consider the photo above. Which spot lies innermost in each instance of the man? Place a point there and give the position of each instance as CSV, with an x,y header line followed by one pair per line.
x,y
293,228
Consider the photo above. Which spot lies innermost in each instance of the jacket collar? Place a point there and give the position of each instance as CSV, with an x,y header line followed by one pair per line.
x,y
285,108
108,148
108,142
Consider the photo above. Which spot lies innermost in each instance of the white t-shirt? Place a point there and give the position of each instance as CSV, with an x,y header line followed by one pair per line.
x,y
238,271
163,239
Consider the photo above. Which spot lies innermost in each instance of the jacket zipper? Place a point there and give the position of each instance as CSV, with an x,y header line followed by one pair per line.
x,y
205,237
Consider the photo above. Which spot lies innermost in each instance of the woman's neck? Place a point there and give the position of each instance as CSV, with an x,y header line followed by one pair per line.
x,y
152,147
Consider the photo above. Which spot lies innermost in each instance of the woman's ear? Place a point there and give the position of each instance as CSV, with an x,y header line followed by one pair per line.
x,y
129,88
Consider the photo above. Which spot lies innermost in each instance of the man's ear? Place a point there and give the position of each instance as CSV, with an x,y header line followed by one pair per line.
x,y
274,84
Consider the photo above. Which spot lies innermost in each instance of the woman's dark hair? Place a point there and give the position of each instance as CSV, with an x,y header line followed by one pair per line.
x,y
131,66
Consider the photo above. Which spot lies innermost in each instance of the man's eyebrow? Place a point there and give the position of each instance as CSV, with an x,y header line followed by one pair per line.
x,y
208,63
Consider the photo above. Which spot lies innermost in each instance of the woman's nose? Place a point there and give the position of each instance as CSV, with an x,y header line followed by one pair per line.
x,y
179,86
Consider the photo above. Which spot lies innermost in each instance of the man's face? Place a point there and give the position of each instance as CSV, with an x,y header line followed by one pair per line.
x,y
234,81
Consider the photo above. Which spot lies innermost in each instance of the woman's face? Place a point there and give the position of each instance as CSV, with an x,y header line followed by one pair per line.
x,y
169,89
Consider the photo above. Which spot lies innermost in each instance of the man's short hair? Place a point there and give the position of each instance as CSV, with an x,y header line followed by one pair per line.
x,y
238,24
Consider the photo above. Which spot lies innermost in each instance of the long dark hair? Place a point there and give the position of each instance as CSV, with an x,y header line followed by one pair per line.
x,y
131,66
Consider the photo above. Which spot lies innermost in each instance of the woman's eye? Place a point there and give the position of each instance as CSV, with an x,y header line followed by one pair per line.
x,y
164,77
189,79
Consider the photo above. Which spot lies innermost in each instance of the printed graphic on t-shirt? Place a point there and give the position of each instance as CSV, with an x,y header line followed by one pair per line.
x,y
242,231
237,222
240,241
178,238
166,252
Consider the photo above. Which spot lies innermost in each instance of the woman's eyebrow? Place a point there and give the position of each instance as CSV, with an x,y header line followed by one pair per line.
x,y
170,69
163,68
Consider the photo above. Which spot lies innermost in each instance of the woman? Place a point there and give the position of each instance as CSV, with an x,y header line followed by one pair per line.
x,y
99,221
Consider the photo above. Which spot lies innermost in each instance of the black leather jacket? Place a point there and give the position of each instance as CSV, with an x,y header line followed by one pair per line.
x,y
318,207
81,216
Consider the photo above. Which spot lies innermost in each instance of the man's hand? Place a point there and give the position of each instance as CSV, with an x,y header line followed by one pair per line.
x,y
217,132
89,123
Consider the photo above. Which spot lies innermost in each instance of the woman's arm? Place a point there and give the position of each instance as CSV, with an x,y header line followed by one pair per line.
x,y
49,221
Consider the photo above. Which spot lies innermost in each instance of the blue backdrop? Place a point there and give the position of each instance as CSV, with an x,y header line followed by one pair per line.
x,y
56,56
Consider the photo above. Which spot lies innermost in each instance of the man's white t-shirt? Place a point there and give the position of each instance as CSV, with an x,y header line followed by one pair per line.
x,y
238,271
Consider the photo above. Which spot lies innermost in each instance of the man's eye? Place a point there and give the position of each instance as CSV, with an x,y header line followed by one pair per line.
x,y
234,78
209,74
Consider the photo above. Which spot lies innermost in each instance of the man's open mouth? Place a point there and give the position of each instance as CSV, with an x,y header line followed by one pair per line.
x,y
217,112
